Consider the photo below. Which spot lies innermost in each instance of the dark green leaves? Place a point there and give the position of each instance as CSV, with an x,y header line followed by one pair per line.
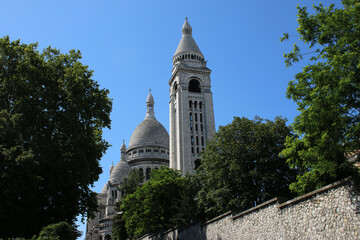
x,y
51,118
241,166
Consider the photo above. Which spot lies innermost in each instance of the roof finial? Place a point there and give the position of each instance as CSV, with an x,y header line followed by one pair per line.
x,y
150,106
186,18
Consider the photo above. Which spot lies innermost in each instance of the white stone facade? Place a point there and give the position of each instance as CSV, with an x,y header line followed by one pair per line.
x,y
191,106
148,149
191,125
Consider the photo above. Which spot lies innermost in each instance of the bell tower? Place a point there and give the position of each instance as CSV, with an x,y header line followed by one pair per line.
x,y
191,105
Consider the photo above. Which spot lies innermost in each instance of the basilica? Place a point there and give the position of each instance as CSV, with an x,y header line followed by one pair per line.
x,y
151,146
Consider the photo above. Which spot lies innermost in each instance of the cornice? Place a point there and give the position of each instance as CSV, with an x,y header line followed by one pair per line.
x,y
182,68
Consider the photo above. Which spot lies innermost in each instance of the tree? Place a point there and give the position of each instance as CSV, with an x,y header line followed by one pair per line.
x,y
59,231
327,93
241,166
51,118
130,185
132,182
154,206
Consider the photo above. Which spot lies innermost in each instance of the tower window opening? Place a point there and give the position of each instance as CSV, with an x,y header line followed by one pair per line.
x,y
156,150
190,104
200,105
162,151
201,127
200,117
196,127
202,141
148,171
194,86
148,150
192,140
197,150
192,149
195,117
195,104
191,117
191,127
141,150
197,140
197,163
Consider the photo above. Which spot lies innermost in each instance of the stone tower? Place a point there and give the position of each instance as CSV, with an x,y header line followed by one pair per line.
x,y
191,105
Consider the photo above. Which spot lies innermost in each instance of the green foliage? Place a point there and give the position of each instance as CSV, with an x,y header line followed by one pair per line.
x,y
241,166
327,92
132,182
155,205
130,185
59,231
51,119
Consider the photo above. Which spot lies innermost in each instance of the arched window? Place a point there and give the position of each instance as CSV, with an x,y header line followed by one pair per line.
x,y
197,163
190,104
195,104
141,172
194,86
148,171
200,105
107,237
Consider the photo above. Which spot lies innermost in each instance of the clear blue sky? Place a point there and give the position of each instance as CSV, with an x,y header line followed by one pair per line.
x,y
130,45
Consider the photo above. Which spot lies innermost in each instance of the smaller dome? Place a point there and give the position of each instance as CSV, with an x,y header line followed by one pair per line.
x,y
120,171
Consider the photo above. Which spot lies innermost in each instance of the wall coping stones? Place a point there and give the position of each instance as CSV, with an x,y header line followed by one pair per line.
x,y
218,217
264,204
317,191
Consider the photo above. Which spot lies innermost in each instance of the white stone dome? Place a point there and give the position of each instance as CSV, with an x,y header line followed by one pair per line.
x,y
119,172
148,133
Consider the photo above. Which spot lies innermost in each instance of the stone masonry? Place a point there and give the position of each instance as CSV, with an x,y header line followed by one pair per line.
x,y
332,212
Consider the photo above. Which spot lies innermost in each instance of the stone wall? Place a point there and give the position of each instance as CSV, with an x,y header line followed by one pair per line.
x,y
332,212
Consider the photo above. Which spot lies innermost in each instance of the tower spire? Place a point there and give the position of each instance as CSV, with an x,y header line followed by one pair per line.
x,y
187,48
